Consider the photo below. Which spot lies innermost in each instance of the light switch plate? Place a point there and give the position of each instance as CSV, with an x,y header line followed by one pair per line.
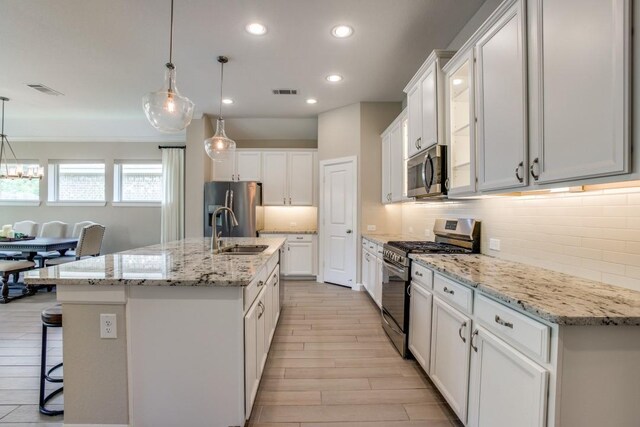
x,y
108,326
494,244
371,228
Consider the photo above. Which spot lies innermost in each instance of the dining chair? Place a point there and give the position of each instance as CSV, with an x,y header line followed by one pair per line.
x,y
78,226
52,229
30,228
89,244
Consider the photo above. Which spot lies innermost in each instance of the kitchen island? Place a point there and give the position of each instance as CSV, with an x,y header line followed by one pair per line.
x,y
193,330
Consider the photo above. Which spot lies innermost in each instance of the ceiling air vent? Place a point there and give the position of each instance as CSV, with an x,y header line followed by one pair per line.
x,y
45,89
285,91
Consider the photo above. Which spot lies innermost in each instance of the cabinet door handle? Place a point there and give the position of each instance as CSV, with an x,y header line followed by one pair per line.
x,y
504,323
284,200
446,184
260,284
473,335
419,143
419,274
261,309
531,169
409,290
520,178
299,238
448,291
464,324
289,200
238,178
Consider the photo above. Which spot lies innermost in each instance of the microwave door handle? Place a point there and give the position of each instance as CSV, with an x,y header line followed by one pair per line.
x,y
427,183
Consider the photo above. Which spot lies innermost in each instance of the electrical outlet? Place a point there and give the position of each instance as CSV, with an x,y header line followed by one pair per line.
x,y
494,244
410,229
108,326
293,224
371,228
427,232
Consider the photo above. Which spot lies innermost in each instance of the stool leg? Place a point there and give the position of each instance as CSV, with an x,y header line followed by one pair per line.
x,y
43,365
5,288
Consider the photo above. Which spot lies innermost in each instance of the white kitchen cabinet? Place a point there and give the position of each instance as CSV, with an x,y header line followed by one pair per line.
x,y
275,297
274,178
287,178
300,178
420,324
299,260
461,125
579,120
393,165
425,103
506,387
251,355
364,269
261,343
449,366
414,107
268,312
373,275
241,166
248,166
501,99
386,167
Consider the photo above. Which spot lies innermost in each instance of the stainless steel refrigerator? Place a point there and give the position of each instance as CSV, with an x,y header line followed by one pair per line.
x,y
244,198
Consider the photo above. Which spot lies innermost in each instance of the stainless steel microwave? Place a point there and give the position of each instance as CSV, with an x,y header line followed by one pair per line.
x,y
426,173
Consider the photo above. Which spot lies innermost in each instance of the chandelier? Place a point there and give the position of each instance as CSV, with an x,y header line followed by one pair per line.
x,y
14,170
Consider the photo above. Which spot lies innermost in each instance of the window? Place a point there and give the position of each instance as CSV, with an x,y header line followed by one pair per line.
x,y
77,182
21,190
139,182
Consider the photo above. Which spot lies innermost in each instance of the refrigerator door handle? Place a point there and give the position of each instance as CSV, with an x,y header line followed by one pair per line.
x,y
227,213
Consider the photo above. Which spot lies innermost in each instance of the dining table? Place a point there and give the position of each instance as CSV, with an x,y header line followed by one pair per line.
x,y
31,247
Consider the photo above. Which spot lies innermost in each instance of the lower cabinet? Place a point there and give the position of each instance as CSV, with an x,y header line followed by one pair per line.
x,y
449,366
377,290
299,260
259,327
252,355
420,325
364,270
506,388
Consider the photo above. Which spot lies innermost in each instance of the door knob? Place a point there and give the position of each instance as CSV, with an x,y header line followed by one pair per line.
x,y
349,231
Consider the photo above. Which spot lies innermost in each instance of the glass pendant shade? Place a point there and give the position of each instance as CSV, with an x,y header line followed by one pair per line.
x,y
219,147
166,109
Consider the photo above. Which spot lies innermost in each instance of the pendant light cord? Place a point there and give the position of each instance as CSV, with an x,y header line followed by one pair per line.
x,y
171,38
221,84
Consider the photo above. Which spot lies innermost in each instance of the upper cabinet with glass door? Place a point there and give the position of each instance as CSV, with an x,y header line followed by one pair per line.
x,y
461,125
425,103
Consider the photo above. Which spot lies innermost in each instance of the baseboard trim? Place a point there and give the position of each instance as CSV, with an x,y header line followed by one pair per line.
x,y
95,425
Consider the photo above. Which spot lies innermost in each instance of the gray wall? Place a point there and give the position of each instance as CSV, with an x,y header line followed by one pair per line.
x,y
474,23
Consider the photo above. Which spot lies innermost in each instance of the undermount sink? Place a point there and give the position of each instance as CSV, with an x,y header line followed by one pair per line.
x,y
242,249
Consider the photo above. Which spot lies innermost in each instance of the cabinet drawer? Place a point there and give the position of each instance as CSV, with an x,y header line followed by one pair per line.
x,y
300,238
365,244
379,251
455,294
254,288
422,274
372,246
524,333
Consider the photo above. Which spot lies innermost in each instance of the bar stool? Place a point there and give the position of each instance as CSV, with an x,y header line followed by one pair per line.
x,y
51,318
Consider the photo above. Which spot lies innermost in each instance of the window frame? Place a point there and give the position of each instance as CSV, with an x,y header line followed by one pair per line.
x,y
24,202
53,181
117,184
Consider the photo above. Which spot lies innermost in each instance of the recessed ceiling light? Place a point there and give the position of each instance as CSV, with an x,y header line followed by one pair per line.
x,y
256,28
312,101
334,78
457,82
227,101
342,31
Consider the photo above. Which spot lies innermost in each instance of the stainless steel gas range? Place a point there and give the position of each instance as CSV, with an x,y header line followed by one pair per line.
x,y
452,236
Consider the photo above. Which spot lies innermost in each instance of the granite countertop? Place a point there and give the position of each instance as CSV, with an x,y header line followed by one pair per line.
x,y
381,239
556,297
288,232
187,262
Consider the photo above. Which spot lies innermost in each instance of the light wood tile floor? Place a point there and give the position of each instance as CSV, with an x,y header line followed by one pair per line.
x,y
331,365
20,340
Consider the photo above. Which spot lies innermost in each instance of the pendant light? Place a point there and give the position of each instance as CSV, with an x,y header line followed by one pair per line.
x,y
219,147
166,109
14,170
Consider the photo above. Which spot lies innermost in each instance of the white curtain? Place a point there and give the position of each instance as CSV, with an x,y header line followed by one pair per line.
x,y
172,219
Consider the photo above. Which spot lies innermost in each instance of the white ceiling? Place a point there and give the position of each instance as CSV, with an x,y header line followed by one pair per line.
x,y
104,55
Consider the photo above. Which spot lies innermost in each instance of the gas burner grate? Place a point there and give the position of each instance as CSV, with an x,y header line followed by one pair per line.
x,y
428,247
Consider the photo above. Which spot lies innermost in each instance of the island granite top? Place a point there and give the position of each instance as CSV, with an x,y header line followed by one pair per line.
x,y
555,297
187,262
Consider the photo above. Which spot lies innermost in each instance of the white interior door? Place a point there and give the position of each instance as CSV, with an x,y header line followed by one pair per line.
x,y
338,206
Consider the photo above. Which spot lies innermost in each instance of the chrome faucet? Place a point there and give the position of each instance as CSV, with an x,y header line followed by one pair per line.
x,y
215,237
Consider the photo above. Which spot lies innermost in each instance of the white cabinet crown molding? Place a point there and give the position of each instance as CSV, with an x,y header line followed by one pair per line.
x,y
433,57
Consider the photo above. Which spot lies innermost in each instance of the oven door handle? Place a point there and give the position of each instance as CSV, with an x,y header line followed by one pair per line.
x,y
384,319
394,269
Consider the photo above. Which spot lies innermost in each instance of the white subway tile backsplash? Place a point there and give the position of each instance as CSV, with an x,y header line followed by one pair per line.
x,y
595,235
